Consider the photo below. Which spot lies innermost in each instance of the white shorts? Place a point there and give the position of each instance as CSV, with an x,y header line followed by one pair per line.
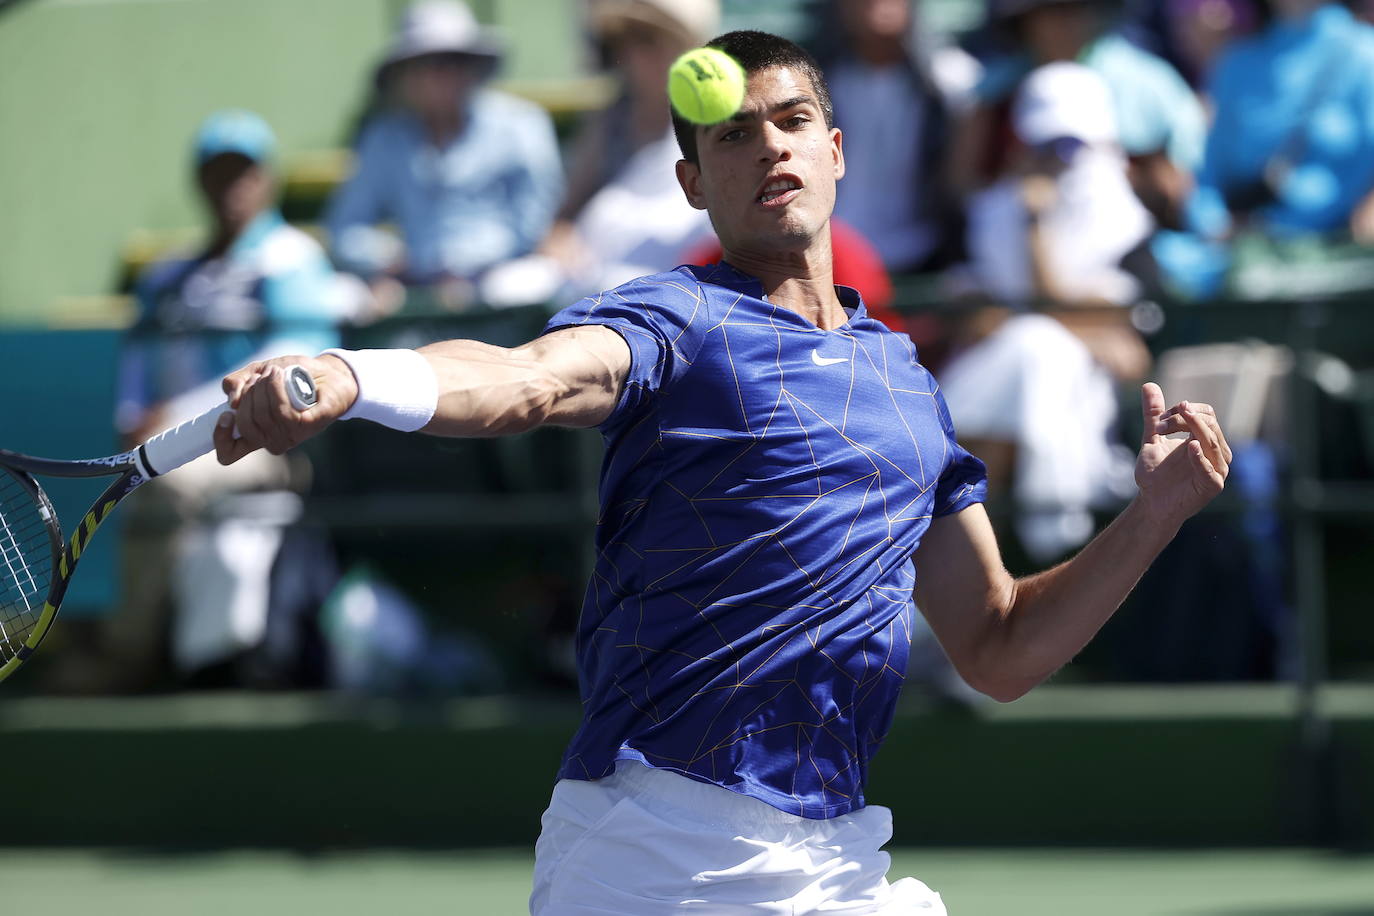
x,y
647,841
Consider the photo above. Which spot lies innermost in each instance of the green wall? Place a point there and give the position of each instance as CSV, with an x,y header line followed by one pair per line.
x,y
99,99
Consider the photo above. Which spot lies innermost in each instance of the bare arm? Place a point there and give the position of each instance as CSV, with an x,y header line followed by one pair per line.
x,y
1006,635
571,377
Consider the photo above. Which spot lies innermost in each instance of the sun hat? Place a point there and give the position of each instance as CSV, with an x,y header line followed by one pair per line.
x,y
696,21
433,27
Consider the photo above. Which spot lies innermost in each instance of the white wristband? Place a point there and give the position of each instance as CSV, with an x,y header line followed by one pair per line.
x,y
396,388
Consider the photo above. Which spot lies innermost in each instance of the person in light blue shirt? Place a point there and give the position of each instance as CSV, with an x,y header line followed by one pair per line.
x,y
471,177
1292,145
1161,124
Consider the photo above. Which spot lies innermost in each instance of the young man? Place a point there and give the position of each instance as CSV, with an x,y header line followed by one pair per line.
x,y
774,460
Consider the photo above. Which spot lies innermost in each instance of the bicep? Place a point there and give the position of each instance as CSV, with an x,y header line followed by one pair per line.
x,y
962,587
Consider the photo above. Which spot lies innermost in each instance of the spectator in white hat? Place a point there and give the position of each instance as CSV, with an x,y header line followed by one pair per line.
x,y
470,176
1058,227
1053,233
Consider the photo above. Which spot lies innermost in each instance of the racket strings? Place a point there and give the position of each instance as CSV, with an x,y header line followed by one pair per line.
x,y
26,564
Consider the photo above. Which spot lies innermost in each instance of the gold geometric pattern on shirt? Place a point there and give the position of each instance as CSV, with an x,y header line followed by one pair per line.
x,y
859,494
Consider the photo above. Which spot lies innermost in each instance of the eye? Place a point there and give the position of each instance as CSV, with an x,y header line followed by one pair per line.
x,y
797,121
734,133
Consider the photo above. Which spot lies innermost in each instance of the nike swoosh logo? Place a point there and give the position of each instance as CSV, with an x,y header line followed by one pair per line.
x,y
827,360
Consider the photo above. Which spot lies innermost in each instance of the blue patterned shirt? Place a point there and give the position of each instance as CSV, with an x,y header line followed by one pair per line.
x,y
765,485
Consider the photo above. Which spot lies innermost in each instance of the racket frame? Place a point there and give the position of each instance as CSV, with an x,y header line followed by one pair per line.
x,y
164,452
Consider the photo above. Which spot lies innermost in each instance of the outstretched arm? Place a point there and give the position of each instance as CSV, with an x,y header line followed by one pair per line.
x,y
1006,635
570,377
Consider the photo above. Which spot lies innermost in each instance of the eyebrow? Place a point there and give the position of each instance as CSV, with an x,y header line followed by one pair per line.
x,y
793,102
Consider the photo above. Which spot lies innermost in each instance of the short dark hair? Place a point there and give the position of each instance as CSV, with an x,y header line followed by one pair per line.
x,y
757,51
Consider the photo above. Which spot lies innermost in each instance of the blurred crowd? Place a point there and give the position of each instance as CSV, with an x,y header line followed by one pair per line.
x,y
1042,173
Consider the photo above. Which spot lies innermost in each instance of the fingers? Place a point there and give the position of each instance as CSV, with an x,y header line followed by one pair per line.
x,y
1199,421
265,415
1216,476
228,447
1152,406
236,382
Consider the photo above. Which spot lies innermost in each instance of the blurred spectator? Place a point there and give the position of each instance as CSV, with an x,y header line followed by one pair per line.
x,y
622,161
1035,397
1160,121
1201,29
1291,149
470,176
893,93
1060,224
259,288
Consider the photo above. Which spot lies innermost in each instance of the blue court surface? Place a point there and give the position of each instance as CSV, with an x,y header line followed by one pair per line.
x,y
990,882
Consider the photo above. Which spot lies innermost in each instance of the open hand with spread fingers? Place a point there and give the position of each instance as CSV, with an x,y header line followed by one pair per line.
x,y
1178,476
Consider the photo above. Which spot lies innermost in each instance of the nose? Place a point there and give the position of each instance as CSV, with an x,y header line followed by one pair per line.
x,y
774,145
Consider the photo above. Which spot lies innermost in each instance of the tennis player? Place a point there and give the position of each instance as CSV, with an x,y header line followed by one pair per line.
x,y
775,462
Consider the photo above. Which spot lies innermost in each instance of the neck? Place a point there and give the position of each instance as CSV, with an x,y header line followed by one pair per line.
x,y
223,239
442,127
802,280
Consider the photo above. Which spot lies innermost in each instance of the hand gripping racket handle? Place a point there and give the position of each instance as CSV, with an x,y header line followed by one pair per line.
x,y
171,449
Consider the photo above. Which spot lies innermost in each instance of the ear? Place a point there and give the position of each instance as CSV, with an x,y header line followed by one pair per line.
x,y
689,177
837,149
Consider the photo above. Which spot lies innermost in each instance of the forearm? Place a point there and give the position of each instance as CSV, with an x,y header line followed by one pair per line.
x,y
489,391
569,378
1050,616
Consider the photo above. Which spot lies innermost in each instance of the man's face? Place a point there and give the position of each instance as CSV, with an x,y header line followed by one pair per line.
x,y
436,86
236,189
767,176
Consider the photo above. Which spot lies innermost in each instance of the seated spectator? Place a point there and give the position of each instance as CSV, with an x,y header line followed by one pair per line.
x,y
1060,224
1160,121
893,98
470,176
258,288
1200,30
1291,149
1035,396
622,161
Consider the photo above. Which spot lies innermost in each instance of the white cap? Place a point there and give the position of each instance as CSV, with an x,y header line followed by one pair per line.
x,y
1064,100
440,27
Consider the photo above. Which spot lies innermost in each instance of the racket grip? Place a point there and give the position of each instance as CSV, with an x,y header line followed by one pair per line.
x,y
172,448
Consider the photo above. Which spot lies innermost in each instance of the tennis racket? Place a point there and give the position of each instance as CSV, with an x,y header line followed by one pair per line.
x,y
37,560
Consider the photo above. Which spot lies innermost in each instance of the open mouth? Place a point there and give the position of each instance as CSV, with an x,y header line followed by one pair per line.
x,y
778,189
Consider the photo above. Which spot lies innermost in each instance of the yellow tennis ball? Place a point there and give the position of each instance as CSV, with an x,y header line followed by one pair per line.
x,y
706,86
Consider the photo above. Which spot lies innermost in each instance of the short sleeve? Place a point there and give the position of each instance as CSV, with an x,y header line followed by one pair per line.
x,y
964,480
663,318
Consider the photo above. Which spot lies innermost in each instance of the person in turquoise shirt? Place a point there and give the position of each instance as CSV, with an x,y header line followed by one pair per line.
x,y
1291,150
255,288
1160,121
